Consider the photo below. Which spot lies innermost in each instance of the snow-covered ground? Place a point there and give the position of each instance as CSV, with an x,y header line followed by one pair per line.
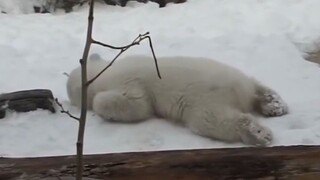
x,y
265,39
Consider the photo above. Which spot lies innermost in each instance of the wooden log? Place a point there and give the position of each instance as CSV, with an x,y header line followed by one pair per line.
x,y
162,3
27,100
294,163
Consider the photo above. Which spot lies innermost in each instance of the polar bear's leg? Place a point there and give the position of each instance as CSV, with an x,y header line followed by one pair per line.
x,y
270,103
251,132
122,107
228,124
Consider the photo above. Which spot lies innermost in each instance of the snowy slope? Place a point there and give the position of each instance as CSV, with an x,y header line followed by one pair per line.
x,y
265,39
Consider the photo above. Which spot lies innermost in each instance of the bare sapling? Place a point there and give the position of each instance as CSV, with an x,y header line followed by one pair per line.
x,y
86,83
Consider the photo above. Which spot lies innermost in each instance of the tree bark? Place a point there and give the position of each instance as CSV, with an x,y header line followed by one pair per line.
x,y
295,162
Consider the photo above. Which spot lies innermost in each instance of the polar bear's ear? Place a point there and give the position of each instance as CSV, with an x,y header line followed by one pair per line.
x,y
95,57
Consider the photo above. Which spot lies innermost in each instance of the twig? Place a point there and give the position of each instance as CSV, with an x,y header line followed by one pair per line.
x,y
122,49
66,74
154,56
65,111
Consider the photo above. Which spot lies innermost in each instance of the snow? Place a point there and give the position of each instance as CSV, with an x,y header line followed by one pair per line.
x,y
265,39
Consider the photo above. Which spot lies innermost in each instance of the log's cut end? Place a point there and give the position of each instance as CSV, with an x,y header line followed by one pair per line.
x,y
26,100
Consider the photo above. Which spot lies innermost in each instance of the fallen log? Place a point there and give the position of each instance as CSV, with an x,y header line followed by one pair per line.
x,y
27,100
295,162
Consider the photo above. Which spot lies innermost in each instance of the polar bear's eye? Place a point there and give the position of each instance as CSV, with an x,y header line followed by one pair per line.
x,y
259,131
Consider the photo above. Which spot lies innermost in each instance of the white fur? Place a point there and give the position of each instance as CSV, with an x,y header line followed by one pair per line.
x,y
212,99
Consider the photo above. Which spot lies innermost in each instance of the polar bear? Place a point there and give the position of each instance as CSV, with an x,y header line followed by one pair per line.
x,y
210,98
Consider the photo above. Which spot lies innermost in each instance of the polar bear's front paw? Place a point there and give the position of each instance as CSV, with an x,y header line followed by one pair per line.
x,y
272,105
260,136
253,133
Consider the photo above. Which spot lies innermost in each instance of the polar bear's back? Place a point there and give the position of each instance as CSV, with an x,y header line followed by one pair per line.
x,y
187,68
178,70
193,77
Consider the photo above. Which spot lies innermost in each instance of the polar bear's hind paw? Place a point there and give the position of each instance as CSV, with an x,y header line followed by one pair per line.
x,y
273,105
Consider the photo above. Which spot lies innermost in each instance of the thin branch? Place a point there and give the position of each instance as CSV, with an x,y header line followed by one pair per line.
x,y
105,45
104,69
136,41
154,56
65,111
113,47
66,74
